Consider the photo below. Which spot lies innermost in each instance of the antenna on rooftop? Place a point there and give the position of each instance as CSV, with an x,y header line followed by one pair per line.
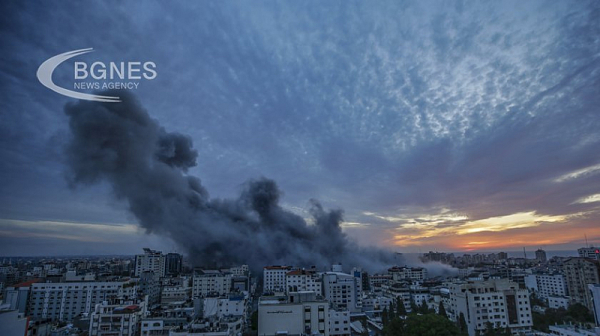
x,y
524,252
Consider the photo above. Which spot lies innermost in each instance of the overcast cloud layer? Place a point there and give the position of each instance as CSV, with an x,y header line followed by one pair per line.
x,y
434,125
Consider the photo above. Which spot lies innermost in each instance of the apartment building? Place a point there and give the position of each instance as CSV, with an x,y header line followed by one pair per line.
x,y
546,285
590,252
499,302
211,283
303,280
343,291
64,301
407,273
579,273
274,278
150,261
117,320
231,305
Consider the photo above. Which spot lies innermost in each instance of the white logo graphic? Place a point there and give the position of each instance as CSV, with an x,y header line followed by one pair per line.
x,y
96,76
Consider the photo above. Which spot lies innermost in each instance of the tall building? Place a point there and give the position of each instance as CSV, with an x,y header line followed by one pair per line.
x,y
303,280
150,261
149,285
343,291
274,278
579,273
589,252
173,263
499,302
64,301
211,283
546,285
540,256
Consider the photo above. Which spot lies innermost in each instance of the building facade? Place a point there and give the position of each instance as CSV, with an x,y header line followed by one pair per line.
x,y
579,273
545,285
298,314
117,320
150,261
303,280
499,302
589,252
274,278
342,291
210,283
65,301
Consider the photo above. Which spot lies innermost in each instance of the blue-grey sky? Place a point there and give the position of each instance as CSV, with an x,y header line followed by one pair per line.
x,y
444,125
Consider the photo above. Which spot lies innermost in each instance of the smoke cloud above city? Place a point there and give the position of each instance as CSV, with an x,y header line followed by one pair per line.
x,y
146,166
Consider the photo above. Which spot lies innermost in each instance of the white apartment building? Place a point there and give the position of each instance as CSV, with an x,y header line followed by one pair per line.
x,y
242,270
499,302
377,303
589,252
211,283
420,295
274,278
175,293
302,281
556,302
150,261
64,301
397,290
116,320
343,291
546,285
298,314
232,305
339,323
403,273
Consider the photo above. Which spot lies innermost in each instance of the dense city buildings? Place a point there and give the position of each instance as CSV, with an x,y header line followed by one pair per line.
x,y
133,296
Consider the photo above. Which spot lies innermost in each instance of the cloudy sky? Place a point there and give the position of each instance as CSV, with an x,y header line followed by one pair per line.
x,y
442,125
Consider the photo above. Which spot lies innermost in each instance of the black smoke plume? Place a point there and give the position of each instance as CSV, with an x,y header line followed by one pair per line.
x,y
147,167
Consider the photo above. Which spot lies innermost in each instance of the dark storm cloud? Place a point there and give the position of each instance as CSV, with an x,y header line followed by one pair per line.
x,y
394,108
145,166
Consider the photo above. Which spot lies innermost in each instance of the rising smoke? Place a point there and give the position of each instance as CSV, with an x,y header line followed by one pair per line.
x,y
146,167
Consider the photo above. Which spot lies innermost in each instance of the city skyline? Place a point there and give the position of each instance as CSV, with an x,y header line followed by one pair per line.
x,y
433,126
